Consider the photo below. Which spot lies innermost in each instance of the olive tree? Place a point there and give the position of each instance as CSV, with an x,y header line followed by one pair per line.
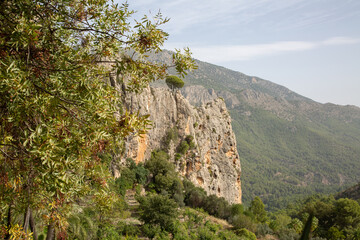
x,y
59,61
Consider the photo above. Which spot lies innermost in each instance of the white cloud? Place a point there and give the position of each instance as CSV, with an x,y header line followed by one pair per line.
x,y
282,14
341,41
222,53
187,13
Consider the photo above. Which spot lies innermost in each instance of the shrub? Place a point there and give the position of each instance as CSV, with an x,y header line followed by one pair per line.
x,y
237,209
158,163
151,230
243,221
216,206
163,182
139,170
195,198
177,156
245,234
257,207
263,229
128,230
158,210
205,233
183,147
125,181
190,141
171,136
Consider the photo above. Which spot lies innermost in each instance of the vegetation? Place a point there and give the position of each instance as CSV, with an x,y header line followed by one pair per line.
x,y
290,147
62,121
174,82
58,104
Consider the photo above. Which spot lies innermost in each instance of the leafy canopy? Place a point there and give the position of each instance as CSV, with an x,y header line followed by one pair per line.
x,y
59,108
174,82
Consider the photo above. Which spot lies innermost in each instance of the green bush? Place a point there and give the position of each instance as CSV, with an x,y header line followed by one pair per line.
x,y
217,206
205,233
177,156
195,198
158,210
243,221
190,141
125,181
237,209
212,226
257,208
163,173
151,230
183,147
228,235
128,230
159,164
263,229
171,136
245,234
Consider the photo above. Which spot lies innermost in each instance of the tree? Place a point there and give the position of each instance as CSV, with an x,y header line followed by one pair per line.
x,y
60,63
159,210
162,171
174,82
257,208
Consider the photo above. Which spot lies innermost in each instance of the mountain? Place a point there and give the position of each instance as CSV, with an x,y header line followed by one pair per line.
x,y
352,193
199,140
289,145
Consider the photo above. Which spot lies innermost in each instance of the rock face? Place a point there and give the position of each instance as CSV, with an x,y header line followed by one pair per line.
x,y
197,95
213,163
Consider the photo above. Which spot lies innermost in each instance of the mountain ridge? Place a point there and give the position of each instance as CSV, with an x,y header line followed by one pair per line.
x,y
290,146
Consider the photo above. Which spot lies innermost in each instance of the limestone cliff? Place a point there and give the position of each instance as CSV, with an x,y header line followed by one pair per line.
x,y
214,162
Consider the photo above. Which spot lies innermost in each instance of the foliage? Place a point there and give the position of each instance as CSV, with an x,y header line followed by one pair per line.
x,y
190,140
159,210
151,230
130,175
171,136
332,219
159,164
183,147
217,206
194,196
237,209
162,171
245,234
125,181
281,142
257,208
59,109
174,82
243,221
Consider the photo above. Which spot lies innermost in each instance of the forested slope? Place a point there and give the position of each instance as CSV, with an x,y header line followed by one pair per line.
x,y
289,145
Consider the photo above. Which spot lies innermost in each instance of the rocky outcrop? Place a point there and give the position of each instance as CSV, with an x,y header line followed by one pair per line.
x,y
213,163
197,95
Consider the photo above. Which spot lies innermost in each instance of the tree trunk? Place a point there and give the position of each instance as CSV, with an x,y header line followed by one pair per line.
x,y
51,231
8,223
26,219
32,225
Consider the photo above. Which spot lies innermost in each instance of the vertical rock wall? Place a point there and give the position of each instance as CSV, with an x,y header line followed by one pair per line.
x,y
214,163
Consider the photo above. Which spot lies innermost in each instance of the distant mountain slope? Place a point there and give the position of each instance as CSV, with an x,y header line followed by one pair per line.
x,y
289,145
352,193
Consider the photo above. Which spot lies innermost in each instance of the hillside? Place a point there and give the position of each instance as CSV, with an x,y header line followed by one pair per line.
x,y
289,145
352,193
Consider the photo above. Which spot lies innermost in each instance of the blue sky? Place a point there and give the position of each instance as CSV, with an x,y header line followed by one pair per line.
x,y
309,46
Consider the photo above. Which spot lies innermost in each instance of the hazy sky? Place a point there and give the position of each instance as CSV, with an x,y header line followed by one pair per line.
x,y
309,46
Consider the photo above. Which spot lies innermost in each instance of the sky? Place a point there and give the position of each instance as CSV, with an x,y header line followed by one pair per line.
x,y
311,47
